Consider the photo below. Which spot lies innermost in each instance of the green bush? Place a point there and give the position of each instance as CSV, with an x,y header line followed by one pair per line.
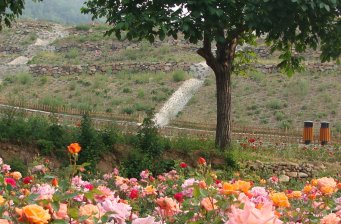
x,y
127,90
83,27
275,104
89,141
149,141
72,53
179,76
128,110
18,165
45,147
24,78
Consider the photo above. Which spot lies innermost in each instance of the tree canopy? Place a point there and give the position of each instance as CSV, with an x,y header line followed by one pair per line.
x,y
287,24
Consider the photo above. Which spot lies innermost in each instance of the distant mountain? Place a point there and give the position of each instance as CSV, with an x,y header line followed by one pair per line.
x,y
62,11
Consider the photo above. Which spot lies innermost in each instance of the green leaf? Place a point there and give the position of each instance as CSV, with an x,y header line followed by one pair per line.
x,y
73,213
60,222
327,7
55,205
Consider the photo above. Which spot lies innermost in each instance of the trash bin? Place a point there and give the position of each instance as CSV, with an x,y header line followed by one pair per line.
x,y
324,133
308,136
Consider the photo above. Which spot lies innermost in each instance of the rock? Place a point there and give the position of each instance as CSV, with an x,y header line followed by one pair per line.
x,y
292,174
321,167
283,178
302,175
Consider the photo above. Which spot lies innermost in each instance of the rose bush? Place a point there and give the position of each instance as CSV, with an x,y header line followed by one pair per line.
x,y
185,195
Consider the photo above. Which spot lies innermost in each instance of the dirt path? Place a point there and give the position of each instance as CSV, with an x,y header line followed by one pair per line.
x,y
181,97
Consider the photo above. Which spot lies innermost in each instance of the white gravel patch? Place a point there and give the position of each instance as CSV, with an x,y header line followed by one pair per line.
x,y
180,98
21,60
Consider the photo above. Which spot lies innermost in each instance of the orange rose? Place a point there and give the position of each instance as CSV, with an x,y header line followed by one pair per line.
x,y
327,190
327,185
202,184
297,194
208,204
228,188
74,148
243,186
34,214
90,211
201,161
307,188
16,175
280,199
314,182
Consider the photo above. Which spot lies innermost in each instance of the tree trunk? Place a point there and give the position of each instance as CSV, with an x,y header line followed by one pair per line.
x,y
223,129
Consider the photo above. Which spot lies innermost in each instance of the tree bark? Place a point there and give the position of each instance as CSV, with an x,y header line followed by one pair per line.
x,y
221,64
223,128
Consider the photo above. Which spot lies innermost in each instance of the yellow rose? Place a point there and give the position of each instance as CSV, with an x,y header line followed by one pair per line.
x,y
280,199
150,190
34,214
2,200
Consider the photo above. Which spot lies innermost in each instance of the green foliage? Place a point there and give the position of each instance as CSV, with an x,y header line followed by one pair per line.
x,y
275,104
92,146
338,127
18,164
150,147
178,76
149,141
128,110
83,27
45,146
127,90
72,53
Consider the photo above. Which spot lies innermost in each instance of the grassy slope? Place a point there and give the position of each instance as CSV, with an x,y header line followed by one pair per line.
x,y
271,100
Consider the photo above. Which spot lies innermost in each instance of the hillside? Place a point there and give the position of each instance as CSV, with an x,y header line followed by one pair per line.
x,y
62,11
131,77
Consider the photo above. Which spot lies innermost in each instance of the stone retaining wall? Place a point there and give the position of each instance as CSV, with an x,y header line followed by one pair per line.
x,y
112,68
286,170
149,67
10,50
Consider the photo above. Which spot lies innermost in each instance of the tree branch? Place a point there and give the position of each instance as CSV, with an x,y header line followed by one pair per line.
x,y
206,51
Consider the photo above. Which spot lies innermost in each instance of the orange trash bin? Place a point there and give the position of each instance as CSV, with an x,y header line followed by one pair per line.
x,y
324,133
308,136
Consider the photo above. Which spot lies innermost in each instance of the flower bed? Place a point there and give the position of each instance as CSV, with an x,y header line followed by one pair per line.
x,y
184,195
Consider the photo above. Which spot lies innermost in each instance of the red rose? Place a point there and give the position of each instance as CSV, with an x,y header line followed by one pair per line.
x,y
11,182
27,180
89,187
134,194
183,165
179,197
